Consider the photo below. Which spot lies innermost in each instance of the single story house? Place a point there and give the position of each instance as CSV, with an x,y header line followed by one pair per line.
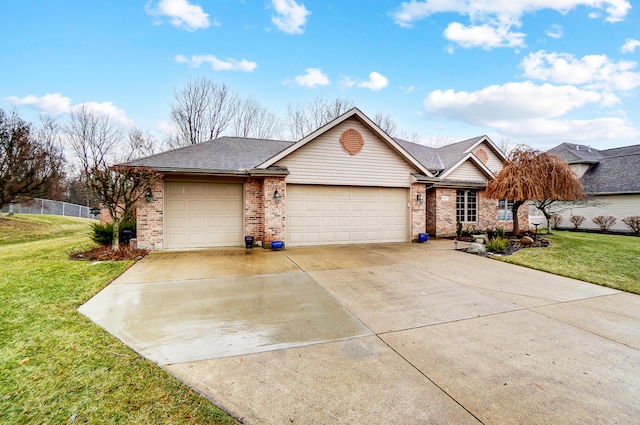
x,y
347,182
611,179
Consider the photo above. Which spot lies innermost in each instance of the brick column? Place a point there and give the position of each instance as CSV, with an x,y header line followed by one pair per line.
x,y
274,212
149,219
445,223
254,208
418,212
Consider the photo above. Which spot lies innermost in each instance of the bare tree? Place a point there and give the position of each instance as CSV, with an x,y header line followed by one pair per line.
x,y
98,144
141,143
252,119
439,141
386,123
29,165
533,175
306,118
202,110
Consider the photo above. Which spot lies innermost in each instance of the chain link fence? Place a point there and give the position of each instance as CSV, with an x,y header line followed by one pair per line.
x,y
46,206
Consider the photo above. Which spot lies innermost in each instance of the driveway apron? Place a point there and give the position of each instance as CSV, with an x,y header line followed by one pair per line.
x,y
381,334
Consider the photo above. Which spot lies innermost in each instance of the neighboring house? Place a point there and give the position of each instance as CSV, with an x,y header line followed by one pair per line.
x,y
347,182
611,179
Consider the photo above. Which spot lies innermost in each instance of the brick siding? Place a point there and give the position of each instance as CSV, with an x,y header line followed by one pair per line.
x,y
149,219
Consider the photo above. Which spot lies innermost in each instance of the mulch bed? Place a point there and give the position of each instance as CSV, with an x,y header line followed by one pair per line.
x,y
104,253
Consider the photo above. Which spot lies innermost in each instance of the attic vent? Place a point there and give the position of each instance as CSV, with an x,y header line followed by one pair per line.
x,y
351,141
482,155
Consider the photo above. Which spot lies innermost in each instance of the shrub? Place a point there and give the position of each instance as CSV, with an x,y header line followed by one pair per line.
x,y
103,233
458,228
467,231
499,232
633,222
577,221
556,219
498,244
605,222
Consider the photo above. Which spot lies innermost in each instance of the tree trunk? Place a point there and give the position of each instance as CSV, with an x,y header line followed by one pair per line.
x,y
516,206
115,244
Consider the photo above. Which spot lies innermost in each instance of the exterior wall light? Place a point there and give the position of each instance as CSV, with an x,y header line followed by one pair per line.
x,y
276,196
419,199
148,196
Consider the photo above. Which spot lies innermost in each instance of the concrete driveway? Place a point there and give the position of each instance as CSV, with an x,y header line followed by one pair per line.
x,y
381,334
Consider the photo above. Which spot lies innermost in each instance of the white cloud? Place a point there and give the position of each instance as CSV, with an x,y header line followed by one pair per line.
x,y
491,20
630,45
107,109
217,64
376,82
290,16
57,104
53,103
181,13
512,101
484,36
528,110
556,131
347,82
314,77
593,71
555,31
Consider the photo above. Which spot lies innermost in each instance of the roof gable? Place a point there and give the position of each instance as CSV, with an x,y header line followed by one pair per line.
x,y
356,114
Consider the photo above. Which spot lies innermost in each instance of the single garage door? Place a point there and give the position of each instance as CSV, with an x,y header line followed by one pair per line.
x,y
324,215
202,215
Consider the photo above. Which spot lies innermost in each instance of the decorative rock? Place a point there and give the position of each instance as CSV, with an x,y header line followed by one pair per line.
x,y
481,238
476,248
526,240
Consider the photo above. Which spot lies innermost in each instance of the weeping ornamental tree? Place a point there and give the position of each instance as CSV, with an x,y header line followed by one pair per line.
x,y
533,175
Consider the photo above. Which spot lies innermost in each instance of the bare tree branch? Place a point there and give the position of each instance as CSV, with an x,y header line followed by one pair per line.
x,y
253,119
305,119
202,110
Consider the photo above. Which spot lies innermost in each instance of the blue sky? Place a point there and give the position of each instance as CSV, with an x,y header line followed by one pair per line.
x,y
539,72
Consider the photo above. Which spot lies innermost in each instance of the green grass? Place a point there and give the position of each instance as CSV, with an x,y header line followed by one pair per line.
x,y
608,260
56,366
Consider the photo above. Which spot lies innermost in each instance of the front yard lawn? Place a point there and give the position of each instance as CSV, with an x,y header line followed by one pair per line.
x,y
58,367
608,260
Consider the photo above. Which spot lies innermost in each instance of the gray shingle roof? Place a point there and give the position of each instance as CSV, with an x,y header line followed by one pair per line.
x,y
425,155
572,153
451,154
615,170
224,153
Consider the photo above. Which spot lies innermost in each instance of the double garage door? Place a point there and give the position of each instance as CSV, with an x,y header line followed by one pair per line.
x,y
323,215
203,215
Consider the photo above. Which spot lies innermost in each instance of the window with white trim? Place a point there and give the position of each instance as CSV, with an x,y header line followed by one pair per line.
x,y
505,210
466,205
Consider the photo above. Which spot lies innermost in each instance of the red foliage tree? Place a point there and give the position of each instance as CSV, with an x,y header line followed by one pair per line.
x,y
29,167
533,175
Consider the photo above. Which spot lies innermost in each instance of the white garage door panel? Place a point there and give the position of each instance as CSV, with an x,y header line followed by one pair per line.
x,y
203,215
323,215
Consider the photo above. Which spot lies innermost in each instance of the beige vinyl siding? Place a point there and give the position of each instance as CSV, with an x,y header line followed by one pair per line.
x,y
619,206
202,215
579,169
323,161
494,163
467,171
327,215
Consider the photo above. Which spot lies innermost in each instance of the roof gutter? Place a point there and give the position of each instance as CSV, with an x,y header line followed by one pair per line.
x,y
237,173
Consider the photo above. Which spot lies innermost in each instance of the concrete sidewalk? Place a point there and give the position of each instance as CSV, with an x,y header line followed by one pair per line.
x,y
381,334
